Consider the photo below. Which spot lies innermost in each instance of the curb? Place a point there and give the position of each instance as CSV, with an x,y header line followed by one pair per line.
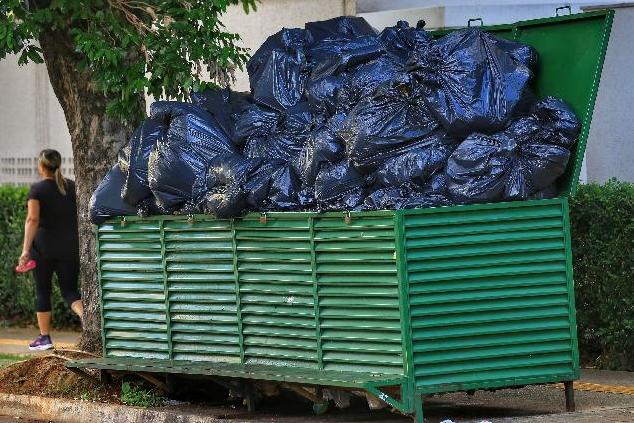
x,y
74,411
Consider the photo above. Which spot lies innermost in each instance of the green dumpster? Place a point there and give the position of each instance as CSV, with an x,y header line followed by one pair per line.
x,y
400,304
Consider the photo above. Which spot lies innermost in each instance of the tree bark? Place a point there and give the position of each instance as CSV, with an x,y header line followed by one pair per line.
x,y
96,140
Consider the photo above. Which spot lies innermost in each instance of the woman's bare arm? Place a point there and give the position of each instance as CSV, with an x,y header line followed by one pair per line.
x,y
30,228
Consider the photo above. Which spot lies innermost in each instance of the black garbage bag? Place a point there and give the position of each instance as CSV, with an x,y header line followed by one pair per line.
x,y
401,39
134,157
470,84
306,197
255,122
404,197
226,202
363,81
391,122
230,169
279,82
226,106
335,56
273,186
339,186
179,161
560,123
339,27
289,40
322,147
106,201
322,93
287,142
414,167
509,165
522,53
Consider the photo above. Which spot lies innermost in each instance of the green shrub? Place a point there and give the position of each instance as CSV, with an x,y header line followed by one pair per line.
x,y
17,291
602,218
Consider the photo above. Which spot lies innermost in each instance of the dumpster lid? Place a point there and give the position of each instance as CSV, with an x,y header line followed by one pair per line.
x,y
571,51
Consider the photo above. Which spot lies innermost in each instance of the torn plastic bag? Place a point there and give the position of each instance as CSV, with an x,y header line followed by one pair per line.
x,y
289,40
339,186
106,201
333,57
558,120
363,81
179,161
415,166
280,81
391,122
510,165
255,121
230,169
133,160
226,180
228,201
226,106
321,148
339,27
401,39
470,84
322,93
272,186
404,197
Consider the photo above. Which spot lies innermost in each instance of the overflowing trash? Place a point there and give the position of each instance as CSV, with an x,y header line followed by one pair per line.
x,y
340,117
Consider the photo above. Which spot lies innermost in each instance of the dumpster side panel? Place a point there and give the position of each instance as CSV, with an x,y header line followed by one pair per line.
x,y
132,289
490,295
295,290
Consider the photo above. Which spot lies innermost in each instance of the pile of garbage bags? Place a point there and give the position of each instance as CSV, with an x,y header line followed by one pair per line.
x,y
342,118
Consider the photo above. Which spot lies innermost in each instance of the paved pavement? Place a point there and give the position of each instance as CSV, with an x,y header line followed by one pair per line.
x,y
16,340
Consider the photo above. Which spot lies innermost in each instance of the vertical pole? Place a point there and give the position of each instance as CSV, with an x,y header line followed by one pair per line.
x,y
166,293
236,277
418,409
570,396
313,264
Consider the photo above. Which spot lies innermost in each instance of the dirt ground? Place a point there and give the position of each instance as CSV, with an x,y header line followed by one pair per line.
x,y
48,376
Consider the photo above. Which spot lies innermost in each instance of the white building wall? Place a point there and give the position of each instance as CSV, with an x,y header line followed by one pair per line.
x,y
272,16
610,149
31,119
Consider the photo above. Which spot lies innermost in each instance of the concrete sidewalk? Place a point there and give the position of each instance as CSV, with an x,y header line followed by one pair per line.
x,y
16,340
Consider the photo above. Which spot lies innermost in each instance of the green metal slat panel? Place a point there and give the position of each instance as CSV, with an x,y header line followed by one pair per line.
x,y
358,294
132,290
201,290
276,292
497,307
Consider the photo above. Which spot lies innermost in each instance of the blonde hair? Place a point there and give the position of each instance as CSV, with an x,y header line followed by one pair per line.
x,y
52,161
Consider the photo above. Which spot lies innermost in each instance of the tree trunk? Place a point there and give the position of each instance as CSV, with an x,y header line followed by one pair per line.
x,y
95,139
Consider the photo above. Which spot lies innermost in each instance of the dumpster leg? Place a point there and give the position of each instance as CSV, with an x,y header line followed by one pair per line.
x,y
250,397
105,377
418,408
570,396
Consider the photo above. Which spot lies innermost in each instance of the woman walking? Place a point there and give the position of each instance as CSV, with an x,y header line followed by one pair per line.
x,y
51,240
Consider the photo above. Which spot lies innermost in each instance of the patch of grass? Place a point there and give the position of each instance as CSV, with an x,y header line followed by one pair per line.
x,y
139,396
6,359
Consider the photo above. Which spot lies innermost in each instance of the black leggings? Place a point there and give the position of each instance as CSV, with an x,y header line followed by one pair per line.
x,y
67,273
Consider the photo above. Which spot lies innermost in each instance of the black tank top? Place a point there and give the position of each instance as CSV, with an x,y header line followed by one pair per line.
x,y
57,236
